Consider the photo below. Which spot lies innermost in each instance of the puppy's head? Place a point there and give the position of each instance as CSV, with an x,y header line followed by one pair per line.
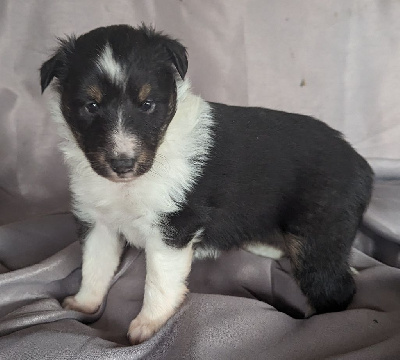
x,y
117,94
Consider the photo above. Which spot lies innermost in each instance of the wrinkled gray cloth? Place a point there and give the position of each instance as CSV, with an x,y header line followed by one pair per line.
x,y
237,309
337,60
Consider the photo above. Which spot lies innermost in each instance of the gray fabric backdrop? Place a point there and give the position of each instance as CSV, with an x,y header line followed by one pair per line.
x,y
335,59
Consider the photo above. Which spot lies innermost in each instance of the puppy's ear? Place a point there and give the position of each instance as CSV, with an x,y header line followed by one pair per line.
x,y
57,65
176,51
178,55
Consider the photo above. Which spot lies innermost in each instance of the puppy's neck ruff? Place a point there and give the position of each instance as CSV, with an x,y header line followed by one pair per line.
x,y
177,165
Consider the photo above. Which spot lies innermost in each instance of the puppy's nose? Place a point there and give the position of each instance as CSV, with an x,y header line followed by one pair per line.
x,y
122,166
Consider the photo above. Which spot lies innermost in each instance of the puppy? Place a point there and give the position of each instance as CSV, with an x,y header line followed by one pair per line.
x,y
152,163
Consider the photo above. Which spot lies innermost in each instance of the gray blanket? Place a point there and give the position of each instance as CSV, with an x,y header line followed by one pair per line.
x,y
237,309
335,60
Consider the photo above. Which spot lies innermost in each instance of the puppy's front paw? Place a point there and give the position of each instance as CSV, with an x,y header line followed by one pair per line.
x,y
71,303
142,329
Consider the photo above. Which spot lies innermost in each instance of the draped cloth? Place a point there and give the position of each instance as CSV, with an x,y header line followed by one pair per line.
x,y
336,60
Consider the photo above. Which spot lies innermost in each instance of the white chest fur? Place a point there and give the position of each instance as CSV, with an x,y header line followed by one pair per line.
x,y
133,208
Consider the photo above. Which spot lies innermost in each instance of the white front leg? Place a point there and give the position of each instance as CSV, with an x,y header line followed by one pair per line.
x,y
166,271
101,255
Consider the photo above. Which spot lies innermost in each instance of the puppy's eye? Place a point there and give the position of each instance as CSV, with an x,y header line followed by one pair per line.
x,y
148,106
92,107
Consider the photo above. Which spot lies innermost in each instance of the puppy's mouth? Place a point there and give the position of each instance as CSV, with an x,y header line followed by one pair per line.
x,y
124,178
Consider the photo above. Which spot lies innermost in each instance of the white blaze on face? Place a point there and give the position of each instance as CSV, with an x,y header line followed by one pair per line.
x,y
123,143
110,67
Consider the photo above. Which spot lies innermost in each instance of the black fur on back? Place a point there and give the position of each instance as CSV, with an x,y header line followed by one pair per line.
x,y
274,171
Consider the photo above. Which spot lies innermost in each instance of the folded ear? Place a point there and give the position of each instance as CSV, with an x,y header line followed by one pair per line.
x,y
178,55
57,65
176,51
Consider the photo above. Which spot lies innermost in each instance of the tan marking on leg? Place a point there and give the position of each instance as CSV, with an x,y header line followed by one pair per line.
x,y
294,246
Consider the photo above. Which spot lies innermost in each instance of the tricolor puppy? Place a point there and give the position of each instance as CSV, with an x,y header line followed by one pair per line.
x,y
156,165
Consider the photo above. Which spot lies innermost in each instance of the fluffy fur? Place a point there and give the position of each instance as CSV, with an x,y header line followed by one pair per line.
x,y
154,164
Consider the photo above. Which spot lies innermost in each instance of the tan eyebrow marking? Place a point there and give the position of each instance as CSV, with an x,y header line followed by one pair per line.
x,y
95,93
144,92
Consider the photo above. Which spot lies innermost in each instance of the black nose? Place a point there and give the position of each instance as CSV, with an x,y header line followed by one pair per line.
x,y
122,166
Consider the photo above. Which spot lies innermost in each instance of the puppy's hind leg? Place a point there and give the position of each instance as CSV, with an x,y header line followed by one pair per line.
x,y
322,271
101,255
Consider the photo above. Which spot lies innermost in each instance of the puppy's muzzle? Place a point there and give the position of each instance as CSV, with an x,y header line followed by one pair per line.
x,y
122,166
